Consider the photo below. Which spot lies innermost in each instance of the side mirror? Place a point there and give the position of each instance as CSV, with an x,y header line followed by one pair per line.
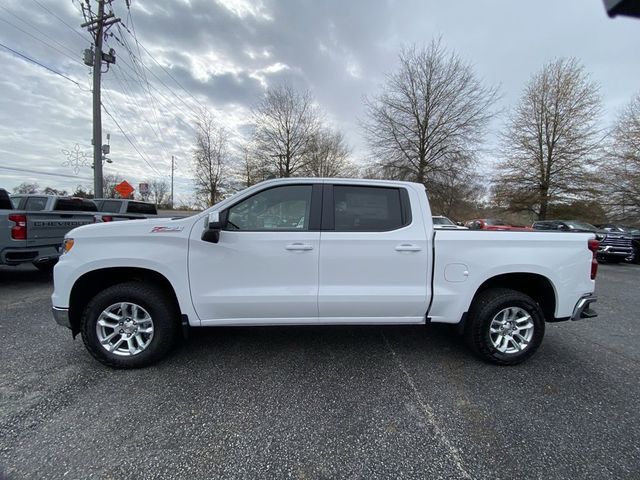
x,y
214,222
563,227
213,225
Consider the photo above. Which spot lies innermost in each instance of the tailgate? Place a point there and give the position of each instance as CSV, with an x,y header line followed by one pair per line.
x,y
50,227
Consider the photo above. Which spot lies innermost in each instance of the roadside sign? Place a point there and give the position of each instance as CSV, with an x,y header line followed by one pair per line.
x,y
143,188
124,188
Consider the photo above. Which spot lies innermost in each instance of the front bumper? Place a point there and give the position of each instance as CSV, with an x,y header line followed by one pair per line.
x,y
61,316
582,308
611,251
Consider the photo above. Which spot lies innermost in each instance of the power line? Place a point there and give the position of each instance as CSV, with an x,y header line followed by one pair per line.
x,y
40,64
140,45
23,170
39,39
178,97
129,140
153,101
160,93
146,80
68,26
160,140
156,61
189,113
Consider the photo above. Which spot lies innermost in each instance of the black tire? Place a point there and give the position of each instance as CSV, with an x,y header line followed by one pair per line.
x,y
155,301
483,310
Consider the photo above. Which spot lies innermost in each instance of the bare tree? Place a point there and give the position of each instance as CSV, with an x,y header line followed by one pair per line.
x,y
551,141
285,122
457,193
210,157
429,117
158,191
81,192
621,170
253,167
54,191
328,155
110,182
26,187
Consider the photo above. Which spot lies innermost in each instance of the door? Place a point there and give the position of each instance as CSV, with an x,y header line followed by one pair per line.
x,y
264,268
374,256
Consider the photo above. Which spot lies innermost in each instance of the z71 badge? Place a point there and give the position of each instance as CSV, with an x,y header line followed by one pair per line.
x,y
166,229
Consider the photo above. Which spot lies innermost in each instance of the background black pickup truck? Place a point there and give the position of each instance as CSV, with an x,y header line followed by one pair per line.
x,y
614,246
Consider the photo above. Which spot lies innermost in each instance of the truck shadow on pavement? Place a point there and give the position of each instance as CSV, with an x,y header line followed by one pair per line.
x,y
20,276
311,343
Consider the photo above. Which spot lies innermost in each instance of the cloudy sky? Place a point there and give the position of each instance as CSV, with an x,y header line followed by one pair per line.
x,y
222,54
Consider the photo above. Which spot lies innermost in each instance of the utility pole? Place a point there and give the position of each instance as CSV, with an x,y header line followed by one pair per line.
x,y
98,25
172,168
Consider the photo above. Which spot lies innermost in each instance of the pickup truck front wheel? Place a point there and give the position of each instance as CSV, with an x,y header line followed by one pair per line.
x,y
129,325
504,326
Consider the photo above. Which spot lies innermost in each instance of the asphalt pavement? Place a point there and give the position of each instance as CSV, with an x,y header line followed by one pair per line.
x,y
322,402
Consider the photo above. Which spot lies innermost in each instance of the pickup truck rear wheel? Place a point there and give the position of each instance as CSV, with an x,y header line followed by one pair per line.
x,y
504,326
129,325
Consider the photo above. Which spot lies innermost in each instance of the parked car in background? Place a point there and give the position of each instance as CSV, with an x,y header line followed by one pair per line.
x,y
115,209
634,232
443,223
615,246
36,203
5,201
33,227
494,224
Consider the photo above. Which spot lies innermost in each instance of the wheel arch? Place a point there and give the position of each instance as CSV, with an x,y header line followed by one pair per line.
x,y
89,284
536,286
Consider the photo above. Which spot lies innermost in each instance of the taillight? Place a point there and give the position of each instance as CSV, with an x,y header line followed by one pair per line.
x,y
107,218
19,230
594,245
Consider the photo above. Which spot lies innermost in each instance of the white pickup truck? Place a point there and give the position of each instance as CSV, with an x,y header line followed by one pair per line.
x,y
317,252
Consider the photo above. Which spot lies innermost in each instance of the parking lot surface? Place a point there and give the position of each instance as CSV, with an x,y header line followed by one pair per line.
x,y
322,402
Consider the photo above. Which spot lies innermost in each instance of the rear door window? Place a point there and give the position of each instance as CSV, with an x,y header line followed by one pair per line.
x,y
75,204
110,206
140,207
35,204
368,209
15,202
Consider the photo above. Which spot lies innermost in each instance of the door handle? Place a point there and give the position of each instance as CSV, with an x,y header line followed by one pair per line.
x,y
299,246
408,247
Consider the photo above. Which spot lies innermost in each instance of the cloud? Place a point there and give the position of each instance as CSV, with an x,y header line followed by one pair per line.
x,y
222,54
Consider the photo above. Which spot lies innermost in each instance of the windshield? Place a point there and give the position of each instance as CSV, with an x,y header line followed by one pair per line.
x,y
442,221
581,226
494,222
15,201
628,229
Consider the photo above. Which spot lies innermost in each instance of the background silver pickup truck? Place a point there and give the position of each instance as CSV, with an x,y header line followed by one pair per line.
x,y
32,227
115,209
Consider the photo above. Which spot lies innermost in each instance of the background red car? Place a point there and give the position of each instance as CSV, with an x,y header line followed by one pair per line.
x,y
493,224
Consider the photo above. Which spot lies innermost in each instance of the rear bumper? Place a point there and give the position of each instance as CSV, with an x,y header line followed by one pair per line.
x,y
17,256
582,308
61,315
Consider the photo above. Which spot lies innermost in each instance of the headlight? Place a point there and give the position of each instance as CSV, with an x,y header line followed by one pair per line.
x,y
600,237
67,245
